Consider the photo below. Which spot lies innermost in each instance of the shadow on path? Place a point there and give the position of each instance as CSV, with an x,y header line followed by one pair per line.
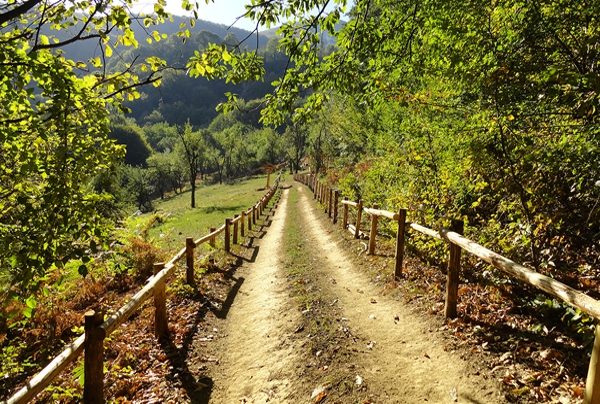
x,y
180,352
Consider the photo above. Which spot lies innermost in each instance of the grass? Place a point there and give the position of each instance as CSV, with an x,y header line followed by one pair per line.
x,y
214,203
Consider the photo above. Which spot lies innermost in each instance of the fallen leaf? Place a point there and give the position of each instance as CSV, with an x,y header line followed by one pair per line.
x,y
578,391
373,300
318,394
320,397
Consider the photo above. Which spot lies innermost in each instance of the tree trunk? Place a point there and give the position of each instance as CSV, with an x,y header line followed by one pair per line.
x,y
193,185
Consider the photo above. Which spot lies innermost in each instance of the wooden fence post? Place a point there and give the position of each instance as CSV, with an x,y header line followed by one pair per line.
x,y
373,231
453,272
400,243
235,229
212,244
345,215
242,232
93,365
161,321
335,205
592,383
212,239
227,234
358,217
189,259
330,203
315,187
250,220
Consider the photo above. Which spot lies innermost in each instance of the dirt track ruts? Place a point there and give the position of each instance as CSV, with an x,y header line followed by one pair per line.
x,y
405,363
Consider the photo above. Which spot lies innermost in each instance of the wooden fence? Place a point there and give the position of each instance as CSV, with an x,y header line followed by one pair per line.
x,y
330,198
96,329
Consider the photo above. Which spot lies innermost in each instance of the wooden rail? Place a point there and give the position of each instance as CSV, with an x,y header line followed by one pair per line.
x,y
96,331
457,243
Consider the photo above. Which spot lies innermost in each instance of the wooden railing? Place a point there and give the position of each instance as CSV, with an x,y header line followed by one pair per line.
x,y
453,236
96,329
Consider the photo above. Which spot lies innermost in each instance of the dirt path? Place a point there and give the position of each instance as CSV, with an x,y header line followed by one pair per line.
x,y
259,356
396,356
407,361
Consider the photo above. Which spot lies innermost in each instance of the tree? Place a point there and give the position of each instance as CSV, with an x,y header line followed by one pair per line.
x,y
269,146
296,141
54,134
161,136
139,188
129,134
231,152
162,172
511,87
191,148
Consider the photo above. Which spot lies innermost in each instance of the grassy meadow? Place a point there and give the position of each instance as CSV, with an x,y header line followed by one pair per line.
x,y
214,203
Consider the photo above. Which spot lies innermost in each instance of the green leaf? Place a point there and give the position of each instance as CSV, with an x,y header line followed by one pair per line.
x,y
31,302
28,312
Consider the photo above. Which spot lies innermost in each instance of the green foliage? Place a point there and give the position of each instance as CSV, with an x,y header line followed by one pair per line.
x,y
230,151
453,110
165,172
558,313
138,187
54,136
192,149
269,146
295,144
130,135
160,135
11,363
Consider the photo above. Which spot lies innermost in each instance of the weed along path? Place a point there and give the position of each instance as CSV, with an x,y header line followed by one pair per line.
x,y
307,326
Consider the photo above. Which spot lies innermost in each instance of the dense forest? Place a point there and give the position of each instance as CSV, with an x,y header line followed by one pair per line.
x,y
483,111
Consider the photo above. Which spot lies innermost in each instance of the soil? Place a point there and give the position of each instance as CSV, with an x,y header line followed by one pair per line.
x,y
329,334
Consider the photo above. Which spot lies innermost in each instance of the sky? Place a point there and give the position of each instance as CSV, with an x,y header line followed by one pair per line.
x,y
221,11
218,11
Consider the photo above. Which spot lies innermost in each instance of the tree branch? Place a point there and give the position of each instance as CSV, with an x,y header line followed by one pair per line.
x,y
18,11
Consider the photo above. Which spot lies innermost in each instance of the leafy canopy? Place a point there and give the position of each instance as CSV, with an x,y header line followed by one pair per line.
x,y
54,134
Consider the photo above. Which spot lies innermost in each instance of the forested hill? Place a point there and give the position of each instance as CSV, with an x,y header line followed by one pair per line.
x,y
82,50
181,97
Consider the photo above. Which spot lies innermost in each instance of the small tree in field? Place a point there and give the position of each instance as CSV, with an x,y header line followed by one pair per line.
x,y
191,148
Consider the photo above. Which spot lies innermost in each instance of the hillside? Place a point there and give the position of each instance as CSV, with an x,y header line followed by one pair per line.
x,y
83,51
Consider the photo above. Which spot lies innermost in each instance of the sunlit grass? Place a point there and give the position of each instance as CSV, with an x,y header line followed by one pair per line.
x,y
214,203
